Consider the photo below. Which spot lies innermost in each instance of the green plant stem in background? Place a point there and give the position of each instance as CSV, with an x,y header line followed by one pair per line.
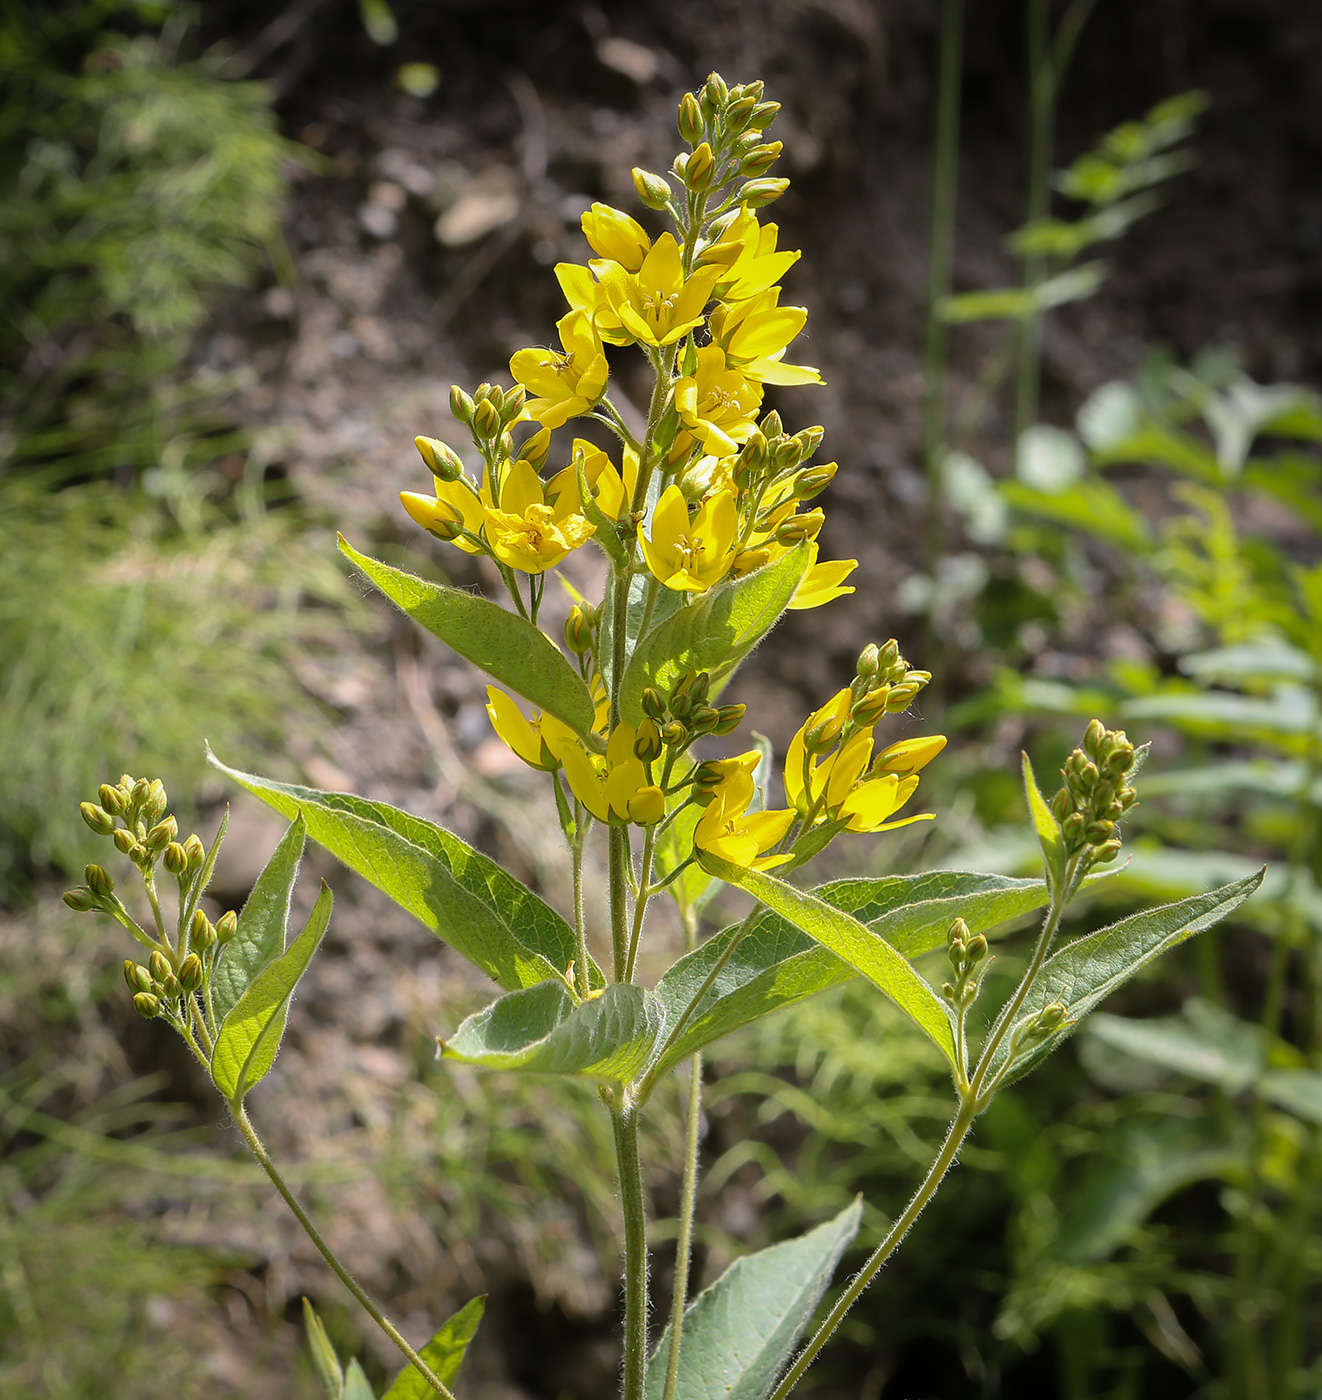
x,y
346,1278
635,1251
684,1239
941,243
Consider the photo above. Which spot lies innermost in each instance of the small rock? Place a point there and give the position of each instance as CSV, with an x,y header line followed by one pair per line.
x,y
378,220
633,60
489,201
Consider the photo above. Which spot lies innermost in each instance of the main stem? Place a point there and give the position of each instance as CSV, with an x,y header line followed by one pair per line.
x,y
635,1251
940,1165
346,1278
684,1240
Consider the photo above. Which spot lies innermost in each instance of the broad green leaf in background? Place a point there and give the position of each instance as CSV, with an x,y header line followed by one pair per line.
x,y
1020,303
866,952
1290,711
1091,505
775,965
324,1361
504,645
444,1354
250,1035
464,898
1268,659
1083,972
1205,1042
713,634
1298,1091
739,1333
541,1030
355,1384
260,938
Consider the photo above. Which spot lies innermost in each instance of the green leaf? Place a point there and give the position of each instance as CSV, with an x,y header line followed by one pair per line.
x,y
355,1384
1289,711
855,944
775,965
1019,303
501,643
464,898
1091,505
1049,836
250,1035
541,1030
1298,1091
260,938
739,1333
713,634
324,1361
444,1354
1205,1043
1082,973
695,887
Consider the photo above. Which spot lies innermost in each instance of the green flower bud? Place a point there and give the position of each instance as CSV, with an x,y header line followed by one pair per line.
x,y
99,881
715,95
1106,852
124,840
578,630
190,973
171,987
1073,826
867,660
148,1005
824,735
512,403
738,112
704,719
690,119
486,419
763,115
1060,804
757,194
201,932
760,159
226,926
81,900
648,744
461,405
141,790
195,851
137,976
175,859
1121,759
653,190
958,932
112,799
948,990
654,707
728,719
814,480
156,800
867,710
442,461
1094,738
771,425
159,965
162,834
1051,1017
98,819
700,169
976,948
674,735
900,698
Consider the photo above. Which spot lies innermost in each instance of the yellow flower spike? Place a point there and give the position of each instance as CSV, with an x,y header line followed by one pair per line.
x,y
717,404
657,305
691,555
909,755
614,235
566,384
726,830
822,583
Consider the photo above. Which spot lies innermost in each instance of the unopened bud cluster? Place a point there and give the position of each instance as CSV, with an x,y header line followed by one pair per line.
x,y
1096,793
1033,1030
967,953
885,684
672,722
132,813
725,128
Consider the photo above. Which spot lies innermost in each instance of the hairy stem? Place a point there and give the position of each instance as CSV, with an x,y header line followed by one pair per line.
x,y
684,1240
635,1252
346,1278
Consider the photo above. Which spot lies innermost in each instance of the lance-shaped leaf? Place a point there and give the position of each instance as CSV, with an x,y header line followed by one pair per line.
x,y
356,1386
1205,1043
250,1035
444,1354
714,633
541,1030
854,943
501,643
324,1360
774,965
260,937
1082,973
464,898
1049,836
739,1333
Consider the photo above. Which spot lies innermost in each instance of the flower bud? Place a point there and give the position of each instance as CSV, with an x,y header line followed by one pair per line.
x,y
461,405
201,932
136,976
190,973
227,926
1106,852
99,881
112,799
738,111
763,115
486,419
757,194
1051,1017
753,454
760,159
195,851
867,710
728,719
654,707
823,735
958,932
704,719
1121,759
800,527
700,169
690,119
814,480
124,840
784,453
715,95
674,734
1073,826
900,698
442,461
81,900
1094,737
578,631
647,744
156,800
1097,832
162,834
171,987
976,948
653,190
175,859
148,1005
647,806
141,789
97,818
159,965
867,660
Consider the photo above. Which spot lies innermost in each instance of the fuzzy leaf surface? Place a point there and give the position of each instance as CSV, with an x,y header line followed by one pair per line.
x,y
263,922
250,1036
504,645
541,1030
713,634
464,898
739,1333
444,1354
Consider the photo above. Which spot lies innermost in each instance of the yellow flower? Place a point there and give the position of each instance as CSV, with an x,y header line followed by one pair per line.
x,y
691,555
718,405
822,583
524,532
746,253
615,236
806,774
755,335
611,490
727,831
656,305
455,504
566,384
533,740
614,788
